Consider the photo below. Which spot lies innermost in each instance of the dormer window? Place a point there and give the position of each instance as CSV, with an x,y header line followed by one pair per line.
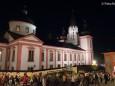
x,y
17,28
27,30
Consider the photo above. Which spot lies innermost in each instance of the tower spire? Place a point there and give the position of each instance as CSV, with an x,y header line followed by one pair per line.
x,y
72,21
85,30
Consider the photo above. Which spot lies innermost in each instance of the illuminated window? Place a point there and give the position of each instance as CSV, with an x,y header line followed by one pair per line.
x,y
70,57
65,57
13,54
27,30
51,56
42,56
31,55
59,58
0,55
74,57
17,28
51,66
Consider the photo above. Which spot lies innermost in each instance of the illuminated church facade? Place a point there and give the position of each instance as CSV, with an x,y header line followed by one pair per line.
x,y
20,49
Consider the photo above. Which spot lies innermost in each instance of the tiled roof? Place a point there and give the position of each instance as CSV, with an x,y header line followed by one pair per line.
x,y
62,44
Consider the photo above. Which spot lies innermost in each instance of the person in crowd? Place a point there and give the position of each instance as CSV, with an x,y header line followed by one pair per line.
x,y
73,80
106,78
17,80
6,79
39,79
25,79
48,77
64,79
56,79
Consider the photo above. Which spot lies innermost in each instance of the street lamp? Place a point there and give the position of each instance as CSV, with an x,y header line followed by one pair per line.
x,y
94,65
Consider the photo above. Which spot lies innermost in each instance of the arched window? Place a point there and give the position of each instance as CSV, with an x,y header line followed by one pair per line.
x,y
31,54
65,57
59,57
51,56
70,57
74,56
13,54
27,30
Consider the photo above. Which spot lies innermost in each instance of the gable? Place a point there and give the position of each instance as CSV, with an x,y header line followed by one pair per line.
x,y
31,38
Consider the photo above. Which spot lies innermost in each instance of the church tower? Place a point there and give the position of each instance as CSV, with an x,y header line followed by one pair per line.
x,y
72,36
86,43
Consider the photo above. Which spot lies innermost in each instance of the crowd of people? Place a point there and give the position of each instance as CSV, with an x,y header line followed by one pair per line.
x,y
57,79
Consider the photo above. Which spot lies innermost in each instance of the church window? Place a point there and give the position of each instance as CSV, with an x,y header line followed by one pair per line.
x,y
0,55
51,56
30,68
78,57
59,66
65,57
82,57
27,30
74,57
59,58
90,43
13,54
70,57
8,54
31,55
12,68
65,65
42,67
17,28
43,56
51,66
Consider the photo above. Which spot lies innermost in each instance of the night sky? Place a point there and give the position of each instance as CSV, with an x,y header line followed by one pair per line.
x,y
52,16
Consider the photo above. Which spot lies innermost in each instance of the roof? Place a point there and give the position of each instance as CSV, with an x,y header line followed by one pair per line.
x,y
14,35
23,16
62,44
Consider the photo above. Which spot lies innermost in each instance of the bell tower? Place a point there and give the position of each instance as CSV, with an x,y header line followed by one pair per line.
x,y
72,36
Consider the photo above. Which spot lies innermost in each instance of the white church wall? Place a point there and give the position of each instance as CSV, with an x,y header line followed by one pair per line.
x,y
13,63
24,58
2,62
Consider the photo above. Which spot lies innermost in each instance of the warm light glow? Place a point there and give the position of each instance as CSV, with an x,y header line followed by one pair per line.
x,y
0,52
94,62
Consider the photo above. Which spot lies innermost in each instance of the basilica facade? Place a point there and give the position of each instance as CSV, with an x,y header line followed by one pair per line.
x,y
21,49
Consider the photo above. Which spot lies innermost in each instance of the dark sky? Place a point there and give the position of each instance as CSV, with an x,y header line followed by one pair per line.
x,y
52,16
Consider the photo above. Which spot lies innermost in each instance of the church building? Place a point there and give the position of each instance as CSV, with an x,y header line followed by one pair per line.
x,y
21,49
